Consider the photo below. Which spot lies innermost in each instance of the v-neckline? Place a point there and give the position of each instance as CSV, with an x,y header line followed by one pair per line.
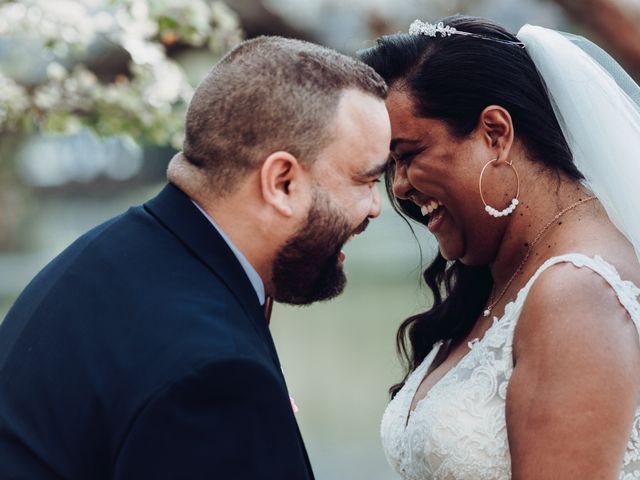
x,y
433,354
428,360
495,320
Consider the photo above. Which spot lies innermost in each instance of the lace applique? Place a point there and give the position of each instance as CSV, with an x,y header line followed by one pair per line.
x,y
458,430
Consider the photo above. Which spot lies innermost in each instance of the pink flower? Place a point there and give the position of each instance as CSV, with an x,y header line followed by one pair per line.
x,y
294,407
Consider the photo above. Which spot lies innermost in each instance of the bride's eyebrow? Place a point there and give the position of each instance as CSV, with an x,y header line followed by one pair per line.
x,y
396,141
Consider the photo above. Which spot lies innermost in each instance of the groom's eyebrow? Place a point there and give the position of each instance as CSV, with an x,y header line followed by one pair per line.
x,y
375,171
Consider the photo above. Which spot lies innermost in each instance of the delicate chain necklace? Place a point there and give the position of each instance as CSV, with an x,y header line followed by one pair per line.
x,y
537,238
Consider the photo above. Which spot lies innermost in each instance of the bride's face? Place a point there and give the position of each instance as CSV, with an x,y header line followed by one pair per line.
x,y
439,172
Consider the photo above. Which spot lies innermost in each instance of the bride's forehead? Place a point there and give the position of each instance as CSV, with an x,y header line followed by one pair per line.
x,y
402,114
399,100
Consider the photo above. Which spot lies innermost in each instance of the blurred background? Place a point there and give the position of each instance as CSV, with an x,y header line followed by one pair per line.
x,y
92,98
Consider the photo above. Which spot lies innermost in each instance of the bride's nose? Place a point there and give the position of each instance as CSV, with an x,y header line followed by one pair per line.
x,y
401,185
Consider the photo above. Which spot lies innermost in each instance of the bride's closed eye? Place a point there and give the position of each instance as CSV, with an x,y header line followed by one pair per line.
x,y
405,157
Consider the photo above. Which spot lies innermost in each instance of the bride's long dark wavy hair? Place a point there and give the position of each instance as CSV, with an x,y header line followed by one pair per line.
x,y
453,79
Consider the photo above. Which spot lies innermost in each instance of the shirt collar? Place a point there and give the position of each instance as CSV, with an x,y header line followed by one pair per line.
x,y
253,276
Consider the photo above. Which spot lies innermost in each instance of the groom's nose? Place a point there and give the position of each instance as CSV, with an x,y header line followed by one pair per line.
x,y
376,204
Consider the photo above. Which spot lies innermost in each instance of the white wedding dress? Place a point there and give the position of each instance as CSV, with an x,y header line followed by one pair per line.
x,y
458,431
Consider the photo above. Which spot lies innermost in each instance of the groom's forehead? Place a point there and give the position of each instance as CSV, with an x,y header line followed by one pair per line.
x,y
362,133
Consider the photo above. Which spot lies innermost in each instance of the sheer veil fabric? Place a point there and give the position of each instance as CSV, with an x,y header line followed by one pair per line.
x,y
598,107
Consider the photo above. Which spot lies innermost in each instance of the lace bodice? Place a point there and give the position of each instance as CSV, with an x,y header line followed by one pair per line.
x,y
458,430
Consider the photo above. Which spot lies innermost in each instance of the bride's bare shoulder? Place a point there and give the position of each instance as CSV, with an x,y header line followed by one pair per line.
x,y
574,386
577,306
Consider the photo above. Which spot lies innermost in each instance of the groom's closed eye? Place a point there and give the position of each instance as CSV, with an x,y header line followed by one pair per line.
x,y
374,173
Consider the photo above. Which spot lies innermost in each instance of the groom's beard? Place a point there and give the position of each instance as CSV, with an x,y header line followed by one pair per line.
x,y
308,268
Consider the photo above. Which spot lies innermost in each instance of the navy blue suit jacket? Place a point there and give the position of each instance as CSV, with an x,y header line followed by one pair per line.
x,y
142,352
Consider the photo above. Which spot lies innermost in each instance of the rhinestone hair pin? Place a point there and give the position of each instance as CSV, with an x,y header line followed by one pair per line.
x,y
418,27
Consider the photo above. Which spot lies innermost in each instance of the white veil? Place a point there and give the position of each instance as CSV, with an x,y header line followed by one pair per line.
x,y
598,107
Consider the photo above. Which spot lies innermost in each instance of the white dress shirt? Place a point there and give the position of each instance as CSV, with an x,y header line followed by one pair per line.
x,y
254,278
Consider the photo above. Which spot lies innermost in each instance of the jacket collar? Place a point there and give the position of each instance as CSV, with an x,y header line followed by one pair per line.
x,y
175,210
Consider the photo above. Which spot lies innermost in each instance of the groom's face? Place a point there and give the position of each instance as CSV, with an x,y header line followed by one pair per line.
x,y
309,267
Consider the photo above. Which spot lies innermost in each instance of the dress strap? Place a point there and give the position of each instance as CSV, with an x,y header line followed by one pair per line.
x,y
626,291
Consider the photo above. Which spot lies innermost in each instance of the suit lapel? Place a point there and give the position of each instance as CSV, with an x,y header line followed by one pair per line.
x,y
175,210
305,454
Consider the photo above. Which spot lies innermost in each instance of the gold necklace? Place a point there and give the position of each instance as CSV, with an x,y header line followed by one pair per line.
x,y
537,238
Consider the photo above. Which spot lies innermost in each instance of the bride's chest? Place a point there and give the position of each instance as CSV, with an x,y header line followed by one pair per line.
x,y
458,430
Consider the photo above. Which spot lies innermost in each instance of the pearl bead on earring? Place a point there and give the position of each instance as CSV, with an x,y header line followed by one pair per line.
x,y
514,201
502,213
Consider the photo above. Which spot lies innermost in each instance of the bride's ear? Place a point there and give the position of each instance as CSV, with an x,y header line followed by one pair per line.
x,y
496,126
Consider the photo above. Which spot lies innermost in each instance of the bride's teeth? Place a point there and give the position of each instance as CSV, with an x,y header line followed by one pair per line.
x,y
430,207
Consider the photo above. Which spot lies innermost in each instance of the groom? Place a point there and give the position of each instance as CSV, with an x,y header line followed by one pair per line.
x,y
142,351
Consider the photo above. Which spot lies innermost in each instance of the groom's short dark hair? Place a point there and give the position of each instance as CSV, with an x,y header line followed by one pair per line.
x,y
269,94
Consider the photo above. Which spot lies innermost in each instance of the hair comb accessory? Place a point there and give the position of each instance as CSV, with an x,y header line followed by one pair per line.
x,y
418,27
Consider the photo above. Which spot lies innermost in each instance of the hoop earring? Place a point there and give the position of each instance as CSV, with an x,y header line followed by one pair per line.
x,y
514,201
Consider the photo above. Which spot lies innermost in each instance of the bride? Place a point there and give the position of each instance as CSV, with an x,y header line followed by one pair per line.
x,y
521,155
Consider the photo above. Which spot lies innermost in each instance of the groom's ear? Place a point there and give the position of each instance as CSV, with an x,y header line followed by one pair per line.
x,y
282,182
496,126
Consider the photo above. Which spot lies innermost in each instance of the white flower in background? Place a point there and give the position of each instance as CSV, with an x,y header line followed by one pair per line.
x,y
164,84
56,72
14,102
61,25
224,17
227,33
189,21
142,51
148,101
